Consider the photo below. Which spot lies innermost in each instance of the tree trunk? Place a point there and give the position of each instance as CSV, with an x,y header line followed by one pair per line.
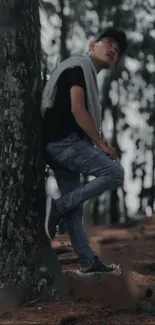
x,y
23,244
114,207
125,210
64,53
95,212
152,195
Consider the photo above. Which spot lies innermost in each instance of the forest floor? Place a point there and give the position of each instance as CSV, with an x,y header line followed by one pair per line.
x,y
104,300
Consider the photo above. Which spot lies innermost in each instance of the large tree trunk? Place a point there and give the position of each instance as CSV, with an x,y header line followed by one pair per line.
x,y
23,244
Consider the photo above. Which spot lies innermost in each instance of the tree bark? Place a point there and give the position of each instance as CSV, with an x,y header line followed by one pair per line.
x,y
23,244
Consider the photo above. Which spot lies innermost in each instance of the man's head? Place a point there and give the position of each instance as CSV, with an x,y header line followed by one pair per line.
x,y
108,47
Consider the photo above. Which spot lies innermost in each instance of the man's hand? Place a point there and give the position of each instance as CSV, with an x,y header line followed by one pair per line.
x,y
111,152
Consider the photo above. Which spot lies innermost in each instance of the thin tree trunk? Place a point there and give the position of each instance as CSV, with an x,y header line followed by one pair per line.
x,y
143,167
95,212
114,199
152,196
114,207
125,210
23,245
64,53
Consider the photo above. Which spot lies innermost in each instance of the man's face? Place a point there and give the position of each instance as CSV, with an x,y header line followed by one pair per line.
x,y
106,50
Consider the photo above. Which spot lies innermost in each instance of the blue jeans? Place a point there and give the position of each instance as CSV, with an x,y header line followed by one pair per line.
x,y
68,158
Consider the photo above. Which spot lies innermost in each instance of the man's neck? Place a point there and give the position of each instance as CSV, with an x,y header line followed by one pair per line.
x,y
98,64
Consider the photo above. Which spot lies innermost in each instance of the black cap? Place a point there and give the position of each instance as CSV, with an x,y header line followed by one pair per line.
x,y
116,34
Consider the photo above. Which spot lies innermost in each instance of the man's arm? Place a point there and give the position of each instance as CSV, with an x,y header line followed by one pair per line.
x,y
82,117
85,121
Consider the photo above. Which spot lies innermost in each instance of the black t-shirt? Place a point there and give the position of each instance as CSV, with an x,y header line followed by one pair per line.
x,y
59,121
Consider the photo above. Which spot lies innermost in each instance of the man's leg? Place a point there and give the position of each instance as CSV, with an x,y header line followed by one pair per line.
x,y
68,181
89,262
81,156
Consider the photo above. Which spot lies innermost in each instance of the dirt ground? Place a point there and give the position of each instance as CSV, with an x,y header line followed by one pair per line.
x,y
104,300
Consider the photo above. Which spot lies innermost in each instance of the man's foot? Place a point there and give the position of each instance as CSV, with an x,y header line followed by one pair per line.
x,y
98,267
52,220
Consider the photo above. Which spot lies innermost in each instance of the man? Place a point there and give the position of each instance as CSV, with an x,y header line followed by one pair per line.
x,y
73,142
